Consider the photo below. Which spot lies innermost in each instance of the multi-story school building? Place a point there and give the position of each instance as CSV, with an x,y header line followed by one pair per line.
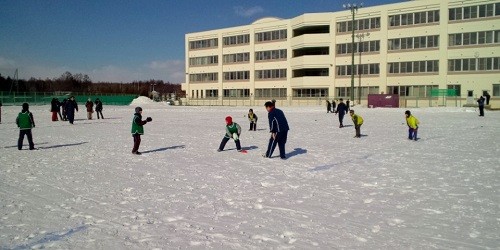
x,y
428,52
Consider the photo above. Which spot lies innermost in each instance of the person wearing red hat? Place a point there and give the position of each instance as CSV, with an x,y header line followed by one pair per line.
x,y
233,130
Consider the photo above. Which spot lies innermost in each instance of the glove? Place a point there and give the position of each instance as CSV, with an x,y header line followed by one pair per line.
x,y
235,136
149,119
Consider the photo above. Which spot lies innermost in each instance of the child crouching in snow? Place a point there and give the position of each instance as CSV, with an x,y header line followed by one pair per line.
x,y
252,117
233,130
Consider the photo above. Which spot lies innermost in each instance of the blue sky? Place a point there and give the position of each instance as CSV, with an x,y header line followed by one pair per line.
x,y
124,40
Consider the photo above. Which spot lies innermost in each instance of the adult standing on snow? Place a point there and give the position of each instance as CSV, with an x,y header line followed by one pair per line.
x,y
412,123
334,105
25,122
98,108
328,107
71,106
90,108
480,104
278,127
138,129
341,111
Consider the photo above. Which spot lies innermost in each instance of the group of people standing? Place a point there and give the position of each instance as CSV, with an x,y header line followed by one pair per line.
x,y
69,107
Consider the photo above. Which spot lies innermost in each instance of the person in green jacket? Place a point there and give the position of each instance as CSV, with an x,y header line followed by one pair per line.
x,y
138,129
233,130
412,123
25,122
358,121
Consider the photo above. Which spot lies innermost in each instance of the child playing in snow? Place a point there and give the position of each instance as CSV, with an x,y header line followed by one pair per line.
x,y
412,123
25,122
138,129
233,130
358,121
253,120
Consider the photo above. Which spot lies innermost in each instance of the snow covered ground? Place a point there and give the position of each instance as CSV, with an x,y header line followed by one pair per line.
x,y
84,189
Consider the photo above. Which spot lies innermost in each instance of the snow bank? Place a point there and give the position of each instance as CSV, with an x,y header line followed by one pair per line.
x,y
141,100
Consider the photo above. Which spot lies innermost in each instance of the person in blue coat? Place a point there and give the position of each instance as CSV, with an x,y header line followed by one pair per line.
x,y
278,127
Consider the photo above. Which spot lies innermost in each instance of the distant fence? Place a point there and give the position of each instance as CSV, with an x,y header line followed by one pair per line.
x,y
43,98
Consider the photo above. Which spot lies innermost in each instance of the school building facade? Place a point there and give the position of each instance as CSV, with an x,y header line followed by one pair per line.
x,y
430,53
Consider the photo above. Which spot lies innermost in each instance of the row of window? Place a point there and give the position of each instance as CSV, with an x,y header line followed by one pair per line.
x,y
413,43
204,60
472,38
317,92
346,91
203,44
414,67
407,19
474,64
364,69
237,75
405,90
361,24
367,46
270,55
271,35
473,12
412,90
270,74
236,58
235,40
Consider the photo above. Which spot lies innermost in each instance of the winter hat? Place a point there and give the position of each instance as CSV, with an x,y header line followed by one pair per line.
x,y
229,120
138,109
407,112
26,106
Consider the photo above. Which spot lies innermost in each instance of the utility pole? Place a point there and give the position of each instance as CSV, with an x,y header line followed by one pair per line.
x,y
354,9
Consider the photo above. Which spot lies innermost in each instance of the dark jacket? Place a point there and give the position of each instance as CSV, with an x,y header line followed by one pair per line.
x,y
98,105
277,121
89,105
71,106
341,109
54,105
480,101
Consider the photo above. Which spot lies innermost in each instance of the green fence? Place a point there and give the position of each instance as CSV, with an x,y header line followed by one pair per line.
x,y
40,98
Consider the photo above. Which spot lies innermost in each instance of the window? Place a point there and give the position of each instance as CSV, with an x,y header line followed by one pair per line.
x,y
496,89
206,60
236,58
270,74
236,75
270,93
270,55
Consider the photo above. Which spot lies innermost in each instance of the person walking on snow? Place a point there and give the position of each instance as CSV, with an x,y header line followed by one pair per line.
x,y
71,106
341,111
98,108
358,121
25,122
278,127
412,123
90,108
233,130
480,104
138,129
252,117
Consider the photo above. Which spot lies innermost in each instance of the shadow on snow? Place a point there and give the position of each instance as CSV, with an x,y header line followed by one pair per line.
x,y
162,149
51,237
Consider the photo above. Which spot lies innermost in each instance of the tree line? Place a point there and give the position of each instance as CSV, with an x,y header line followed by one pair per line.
x,y
80,83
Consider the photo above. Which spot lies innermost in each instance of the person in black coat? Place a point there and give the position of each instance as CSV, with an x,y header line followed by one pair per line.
x,y
98,108
334,105
71,106
328,106
480,104
278,127
348,105
63,105
54,108
341,111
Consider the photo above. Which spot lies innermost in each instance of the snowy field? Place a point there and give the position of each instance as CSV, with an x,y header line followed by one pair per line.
x,y
83,189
